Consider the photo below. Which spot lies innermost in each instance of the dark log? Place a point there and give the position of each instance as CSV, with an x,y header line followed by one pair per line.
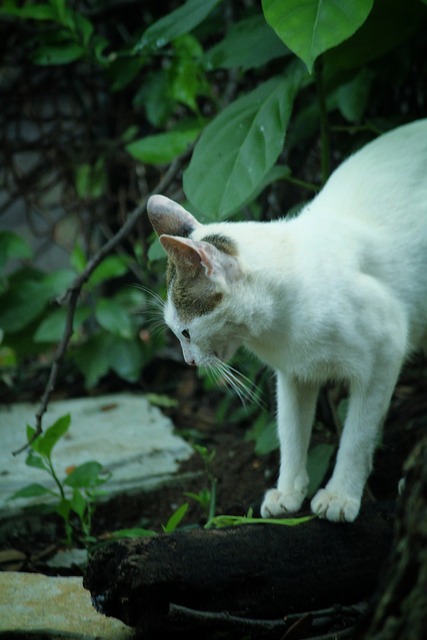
x,y
252,571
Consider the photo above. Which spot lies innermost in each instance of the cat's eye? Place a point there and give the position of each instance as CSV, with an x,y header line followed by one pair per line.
x,y
186,334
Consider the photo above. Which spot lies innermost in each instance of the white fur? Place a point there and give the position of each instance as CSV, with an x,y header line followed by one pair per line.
x,y
338,292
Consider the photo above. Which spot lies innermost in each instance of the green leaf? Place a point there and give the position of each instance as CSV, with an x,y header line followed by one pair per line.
x,y
187,78
160,400
113,317
36,461
78,504
28,12
175,24
34,490
126,358
318,461
78,258
105,351
47,440
57,282
153,96
162,148
57,54
240,146
93,358
352,97
312,27
51,329
85,475
136,532
176,518
110,267
23,302
13,246
91,180
249,44
233,521
63,508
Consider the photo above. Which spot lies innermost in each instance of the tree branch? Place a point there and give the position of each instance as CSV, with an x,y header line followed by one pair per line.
x,y
71,296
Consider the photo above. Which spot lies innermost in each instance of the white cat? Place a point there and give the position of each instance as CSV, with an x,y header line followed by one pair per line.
x,y
340,292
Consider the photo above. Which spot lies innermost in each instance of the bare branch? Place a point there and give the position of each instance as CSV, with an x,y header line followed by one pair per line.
x,y
71,296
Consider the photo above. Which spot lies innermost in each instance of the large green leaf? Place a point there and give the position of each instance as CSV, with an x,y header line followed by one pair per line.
x,y
175,24
163,147
239,147
249,44
311,27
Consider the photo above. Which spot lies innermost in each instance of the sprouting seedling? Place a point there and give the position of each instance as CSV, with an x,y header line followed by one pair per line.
x,y
73,498
206,497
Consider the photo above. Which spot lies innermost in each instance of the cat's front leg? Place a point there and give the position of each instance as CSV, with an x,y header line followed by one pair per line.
x,y
296,403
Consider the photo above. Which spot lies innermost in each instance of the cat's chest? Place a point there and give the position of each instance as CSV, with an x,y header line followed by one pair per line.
x,y
303,360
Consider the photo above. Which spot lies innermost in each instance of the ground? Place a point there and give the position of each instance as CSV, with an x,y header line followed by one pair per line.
x,y
241,475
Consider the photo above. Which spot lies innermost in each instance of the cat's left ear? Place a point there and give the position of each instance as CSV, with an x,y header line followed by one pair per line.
x,y
169,217
193,256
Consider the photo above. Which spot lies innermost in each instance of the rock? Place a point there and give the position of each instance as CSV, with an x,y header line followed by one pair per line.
x,y
124,432
54,606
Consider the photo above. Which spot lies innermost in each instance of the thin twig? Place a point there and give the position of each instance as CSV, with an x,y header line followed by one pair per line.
x,y
71,296
179,613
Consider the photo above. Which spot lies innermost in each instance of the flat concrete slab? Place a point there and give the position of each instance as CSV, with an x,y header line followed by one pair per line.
x,y
53,607
124,432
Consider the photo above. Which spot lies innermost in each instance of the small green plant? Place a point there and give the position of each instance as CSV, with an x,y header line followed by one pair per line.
x,y
234,521
206,497
73,498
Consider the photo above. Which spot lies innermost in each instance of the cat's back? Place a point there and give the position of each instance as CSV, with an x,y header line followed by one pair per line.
x,y
384,181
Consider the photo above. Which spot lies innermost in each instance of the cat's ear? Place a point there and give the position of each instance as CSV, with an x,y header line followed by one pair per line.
x,y
192,256
168,217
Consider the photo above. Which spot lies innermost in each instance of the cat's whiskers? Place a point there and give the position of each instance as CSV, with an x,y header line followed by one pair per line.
x,y
242,386
152,310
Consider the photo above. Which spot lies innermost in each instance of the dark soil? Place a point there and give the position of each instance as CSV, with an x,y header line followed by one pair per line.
x,y
242,476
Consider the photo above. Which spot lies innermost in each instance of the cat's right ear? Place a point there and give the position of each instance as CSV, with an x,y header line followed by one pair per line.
x,y
168,217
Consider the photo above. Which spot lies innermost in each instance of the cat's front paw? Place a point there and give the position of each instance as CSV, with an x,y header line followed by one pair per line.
x,y
335,506
277,504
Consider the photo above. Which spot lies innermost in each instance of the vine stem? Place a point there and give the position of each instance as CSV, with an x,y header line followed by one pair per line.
x,y
324,123
71,296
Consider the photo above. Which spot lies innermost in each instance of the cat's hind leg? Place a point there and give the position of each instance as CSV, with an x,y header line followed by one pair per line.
x,y
296,403
340,500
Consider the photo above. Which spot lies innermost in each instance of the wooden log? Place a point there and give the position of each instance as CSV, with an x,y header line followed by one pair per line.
x,y
251,571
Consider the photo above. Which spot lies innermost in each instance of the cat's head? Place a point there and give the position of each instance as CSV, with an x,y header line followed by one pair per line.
x,y
202,273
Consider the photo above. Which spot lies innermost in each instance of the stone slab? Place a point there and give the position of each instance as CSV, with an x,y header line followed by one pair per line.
x,y
53,606
124,432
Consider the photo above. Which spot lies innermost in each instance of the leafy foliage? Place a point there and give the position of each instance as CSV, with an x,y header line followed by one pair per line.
x,y
243,100
73,497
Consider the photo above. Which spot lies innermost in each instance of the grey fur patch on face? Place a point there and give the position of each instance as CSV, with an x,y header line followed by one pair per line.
x,y
223,243
191,292
192,296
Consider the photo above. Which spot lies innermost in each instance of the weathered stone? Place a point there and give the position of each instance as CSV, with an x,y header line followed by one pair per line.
x,y
37,603
124,432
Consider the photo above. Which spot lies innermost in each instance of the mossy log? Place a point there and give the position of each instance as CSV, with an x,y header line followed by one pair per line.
x,y
262,571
